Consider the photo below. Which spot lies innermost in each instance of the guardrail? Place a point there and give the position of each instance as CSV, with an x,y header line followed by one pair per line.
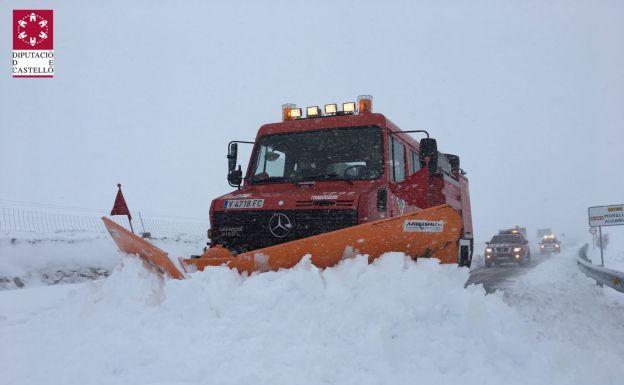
x,y
33,220
603,276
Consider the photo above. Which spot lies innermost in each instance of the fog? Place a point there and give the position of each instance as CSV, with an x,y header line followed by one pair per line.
x,y
529,94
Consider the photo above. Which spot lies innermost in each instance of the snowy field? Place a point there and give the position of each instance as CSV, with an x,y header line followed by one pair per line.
x,y
31,259
614,253
393,322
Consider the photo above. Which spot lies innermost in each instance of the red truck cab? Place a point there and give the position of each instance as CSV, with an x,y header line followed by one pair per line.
x,y
324,172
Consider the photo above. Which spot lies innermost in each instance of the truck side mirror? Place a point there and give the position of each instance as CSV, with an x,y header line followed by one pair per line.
x,y
429,149
232,156
454,161
235,177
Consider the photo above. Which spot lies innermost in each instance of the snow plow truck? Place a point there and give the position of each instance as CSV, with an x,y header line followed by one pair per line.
x,y
329,185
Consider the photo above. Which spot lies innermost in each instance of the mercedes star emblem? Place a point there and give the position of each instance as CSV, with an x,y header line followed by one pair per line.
x,y
279,225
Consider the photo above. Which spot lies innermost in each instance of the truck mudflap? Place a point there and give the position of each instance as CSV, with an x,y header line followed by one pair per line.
x,y
429,233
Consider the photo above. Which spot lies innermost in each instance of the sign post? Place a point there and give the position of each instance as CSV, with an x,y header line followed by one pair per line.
x,y
605,216
601,246
592,231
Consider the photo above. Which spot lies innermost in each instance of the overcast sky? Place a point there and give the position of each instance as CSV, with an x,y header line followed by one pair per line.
x,y
530,94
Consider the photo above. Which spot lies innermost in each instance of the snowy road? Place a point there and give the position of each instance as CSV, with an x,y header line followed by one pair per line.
x,y
504,276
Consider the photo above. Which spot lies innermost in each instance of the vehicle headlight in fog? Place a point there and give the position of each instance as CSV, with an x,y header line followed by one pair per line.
x,y
517,256
516,249
487,256
556,245
488,250
542,246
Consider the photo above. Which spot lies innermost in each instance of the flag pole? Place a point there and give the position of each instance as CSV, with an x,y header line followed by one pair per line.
x,y
130,221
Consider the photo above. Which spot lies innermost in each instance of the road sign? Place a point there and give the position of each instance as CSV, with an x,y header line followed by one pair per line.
x,y
606,215
593,230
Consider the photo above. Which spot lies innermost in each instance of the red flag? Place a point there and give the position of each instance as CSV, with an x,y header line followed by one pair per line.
x,y
120,207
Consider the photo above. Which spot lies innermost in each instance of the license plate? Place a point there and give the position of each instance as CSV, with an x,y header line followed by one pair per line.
x,y
243,204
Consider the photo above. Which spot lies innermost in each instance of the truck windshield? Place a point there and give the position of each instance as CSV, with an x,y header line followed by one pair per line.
x,y
506,238
339,153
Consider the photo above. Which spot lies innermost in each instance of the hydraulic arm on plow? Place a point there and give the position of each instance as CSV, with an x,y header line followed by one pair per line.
x,y
330,186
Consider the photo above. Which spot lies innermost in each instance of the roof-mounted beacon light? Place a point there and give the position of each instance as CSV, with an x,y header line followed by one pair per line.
x,y
286,111
295,113
365,104
331,109
313,112
348,108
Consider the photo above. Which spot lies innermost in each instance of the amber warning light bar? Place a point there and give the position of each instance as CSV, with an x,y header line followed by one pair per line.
x,y
364,105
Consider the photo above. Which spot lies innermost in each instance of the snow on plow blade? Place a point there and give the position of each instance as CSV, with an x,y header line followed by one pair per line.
x,y
131,244
432,232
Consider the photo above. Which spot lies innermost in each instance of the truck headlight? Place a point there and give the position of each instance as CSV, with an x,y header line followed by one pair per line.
x,y
488,250
516,249
556,245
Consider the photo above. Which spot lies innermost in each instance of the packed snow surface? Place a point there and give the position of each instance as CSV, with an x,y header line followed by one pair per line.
x,y
393,322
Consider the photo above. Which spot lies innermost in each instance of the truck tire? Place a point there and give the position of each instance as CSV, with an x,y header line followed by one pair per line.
x,y
525,260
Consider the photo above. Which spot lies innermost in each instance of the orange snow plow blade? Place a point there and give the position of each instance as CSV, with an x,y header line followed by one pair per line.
x,y
152,255
432,232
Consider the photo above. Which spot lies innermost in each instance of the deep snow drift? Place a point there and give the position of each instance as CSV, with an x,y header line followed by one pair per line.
x,y
395,321
32,259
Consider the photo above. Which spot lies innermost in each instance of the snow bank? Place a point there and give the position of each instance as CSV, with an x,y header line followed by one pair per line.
x,y
395,321
614,253
33,259
579,325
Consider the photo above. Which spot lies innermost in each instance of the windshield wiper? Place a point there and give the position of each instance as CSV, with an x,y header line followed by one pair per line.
x,y
272,179
328,176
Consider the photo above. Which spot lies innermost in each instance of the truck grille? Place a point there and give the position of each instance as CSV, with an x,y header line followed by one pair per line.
x,y
503,249
242,231
338,203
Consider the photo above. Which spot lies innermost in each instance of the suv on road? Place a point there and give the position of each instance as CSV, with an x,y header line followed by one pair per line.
x,y
550,244
506,246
